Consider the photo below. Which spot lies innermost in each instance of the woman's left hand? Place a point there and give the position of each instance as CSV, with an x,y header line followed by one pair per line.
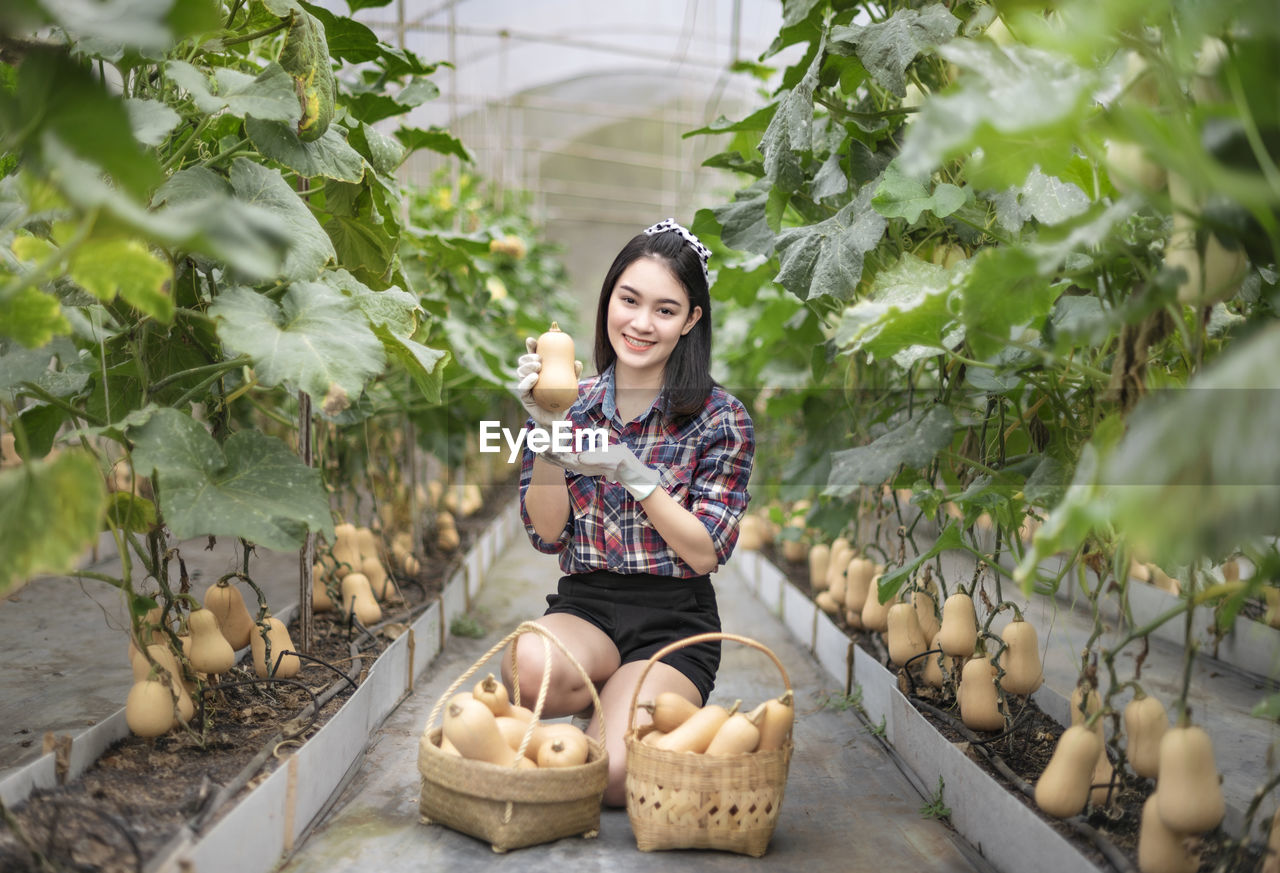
x,y
617,463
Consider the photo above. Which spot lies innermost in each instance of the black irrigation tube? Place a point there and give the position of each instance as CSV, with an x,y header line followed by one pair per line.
x,y
1109,850
215,801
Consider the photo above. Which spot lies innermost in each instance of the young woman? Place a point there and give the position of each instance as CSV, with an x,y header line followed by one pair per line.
x,y
641,524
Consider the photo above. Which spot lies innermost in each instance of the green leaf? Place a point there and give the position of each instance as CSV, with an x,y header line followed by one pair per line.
x,y
789,133
329,156
41,423
151,120
392,308
745,226
1047,199
19,365
1020,106
269,96
126,267
886,49
361,245
383,153
891,581
1003,291
58,99
50,513
1198,469
252,486
912,444
130,512
434,139
909,305
33,318
825,259
900,196
309,246
424,365
348,39
314,339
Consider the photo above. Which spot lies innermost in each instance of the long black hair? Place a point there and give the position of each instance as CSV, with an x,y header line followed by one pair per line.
x,y
686,378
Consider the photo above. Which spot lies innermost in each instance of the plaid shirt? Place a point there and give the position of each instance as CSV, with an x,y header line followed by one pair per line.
x,y
704,464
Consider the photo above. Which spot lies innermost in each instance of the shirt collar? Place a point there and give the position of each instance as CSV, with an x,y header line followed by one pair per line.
x,y
609,400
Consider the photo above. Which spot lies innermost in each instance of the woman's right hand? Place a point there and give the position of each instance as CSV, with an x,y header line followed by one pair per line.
x,y
528,367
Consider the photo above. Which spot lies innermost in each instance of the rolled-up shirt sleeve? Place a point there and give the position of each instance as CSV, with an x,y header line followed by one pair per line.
x,y
718,493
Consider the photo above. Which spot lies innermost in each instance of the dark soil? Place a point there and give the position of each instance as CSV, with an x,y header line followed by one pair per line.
x,y
128,806
1105,833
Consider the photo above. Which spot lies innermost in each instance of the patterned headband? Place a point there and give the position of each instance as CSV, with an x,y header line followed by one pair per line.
x,y
670,224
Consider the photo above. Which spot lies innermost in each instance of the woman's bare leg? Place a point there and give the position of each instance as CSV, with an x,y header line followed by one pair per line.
x,y
568,692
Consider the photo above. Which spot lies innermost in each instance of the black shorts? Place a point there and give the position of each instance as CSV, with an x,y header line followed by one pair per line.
x,y
641,613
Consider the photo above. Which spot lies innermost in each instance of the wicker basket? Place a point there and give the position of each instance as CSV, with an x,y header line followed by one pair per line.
x,y
507,807
685,800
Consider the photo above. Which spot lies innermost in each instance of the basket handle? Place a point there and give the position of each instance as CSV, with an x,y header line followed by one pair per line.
x,y
548,638
692,641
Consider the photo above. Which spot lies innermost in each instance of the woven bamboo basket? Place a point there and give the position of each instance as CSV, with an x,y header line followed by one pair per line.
x,y
685,800
507,807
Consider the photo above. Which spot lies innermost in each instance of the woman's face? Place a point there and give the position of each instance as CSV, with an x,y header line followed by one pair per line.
x,y
648,313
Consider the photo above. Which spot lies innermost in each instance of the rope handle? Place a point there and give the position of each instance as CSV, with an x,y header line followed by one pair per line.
x,y
693,641
547,638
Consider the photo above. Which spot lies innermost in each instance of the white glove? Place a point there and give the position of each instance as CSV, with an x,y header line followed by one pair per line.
x,y
528,367
617,463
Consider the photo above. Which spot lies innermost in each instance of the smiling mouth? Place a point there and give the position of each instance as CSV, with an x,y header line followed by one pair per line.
x,y
637,345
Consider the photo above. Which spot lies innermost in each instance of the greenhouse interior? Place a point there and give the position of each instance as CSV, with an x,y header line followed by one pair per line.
x,y
912,366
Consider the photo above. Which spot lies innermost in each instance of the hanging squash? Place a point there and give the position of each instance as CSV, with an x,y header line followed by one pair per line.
x,y
1023,672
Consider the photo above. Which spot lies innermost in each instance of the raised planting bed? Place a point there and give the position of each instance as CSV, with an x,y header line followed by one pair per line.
x,y
985,778
243,791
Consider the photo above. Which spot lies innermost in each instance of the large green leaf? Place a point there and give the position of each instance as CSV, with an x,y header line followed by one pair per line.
x,y
348,39
32,317
1019,106
825,259
269,96
252,486
50,512
434,139
309,246
57,101
152,121
329,156
1198,469
888,47
912,444
360,244
1047,199
908,306
744,222
107,267
1003,292
901,196
314,340
788,136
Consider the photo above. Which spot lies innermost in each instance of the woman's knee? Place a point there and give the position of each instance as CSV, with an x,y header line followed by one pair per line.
x,y
531,663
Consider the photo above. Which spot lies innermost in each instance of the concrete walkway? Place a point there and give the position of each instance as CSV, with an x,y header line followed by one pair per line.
x,y
847,804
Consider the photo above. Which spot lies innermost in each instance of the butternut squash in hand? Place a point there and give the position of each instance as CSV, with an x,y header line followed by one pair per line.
x,y
1063,788
1191,799
557,386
